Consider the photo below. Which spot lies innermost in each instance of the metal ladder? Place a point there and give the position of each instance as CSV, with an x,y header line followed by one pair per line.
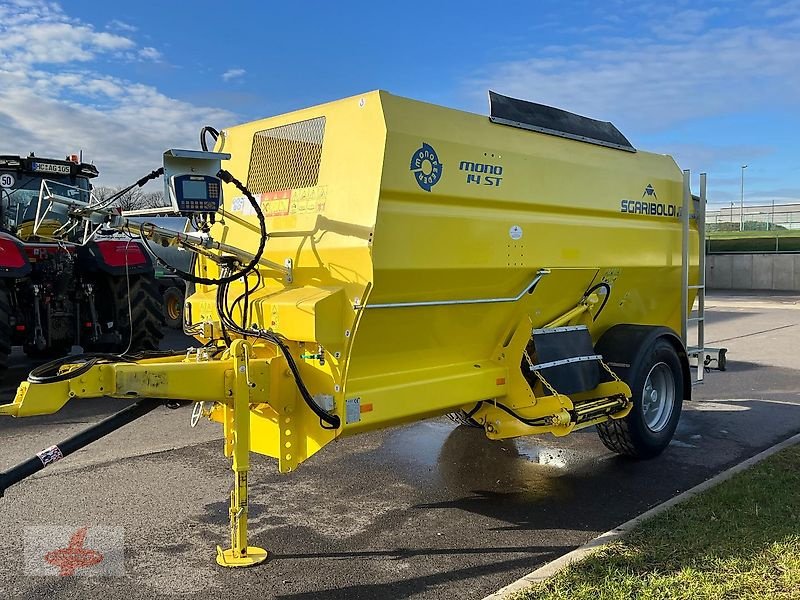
x,y
697,351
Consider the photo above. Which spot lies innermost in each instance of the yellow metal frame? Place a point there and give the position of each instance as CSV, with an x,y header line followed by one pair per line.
x,y
256,407
404,303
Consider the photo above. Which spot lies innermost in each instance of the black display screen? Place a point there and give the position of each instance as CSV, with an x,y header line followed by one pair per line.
x,y
194,190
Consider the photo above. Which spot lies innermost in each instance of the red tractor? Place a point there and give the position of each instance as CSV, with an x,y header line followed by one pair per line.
x,y
101,296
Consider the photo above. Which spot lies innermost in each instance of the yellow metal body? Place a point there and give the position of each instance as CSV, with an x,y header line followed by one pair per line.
x,y
410,292
366,234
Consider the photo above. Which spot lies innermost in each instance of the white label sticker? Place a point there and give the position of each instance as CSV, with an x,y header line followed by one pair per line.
x,y
515,232
7,180
352,410
237,204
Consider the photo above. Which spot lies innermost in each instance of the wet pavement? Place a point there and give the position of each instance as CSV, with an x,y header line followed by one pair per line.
x,y
423,511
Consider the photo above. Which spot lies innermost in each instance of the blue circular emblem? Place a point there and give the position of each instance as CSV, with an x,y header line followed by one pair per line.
x,y
426,167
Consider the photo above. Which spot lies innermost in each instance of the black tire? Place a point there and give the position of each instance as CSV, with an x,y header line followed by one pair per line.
x,y
5,325
631,435
173,307
461,417
147,315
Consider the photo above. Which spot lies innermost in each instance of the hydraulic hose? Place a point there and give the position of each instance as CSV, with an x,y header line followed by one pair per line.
x,y
595,287
50,372
191,277
80,440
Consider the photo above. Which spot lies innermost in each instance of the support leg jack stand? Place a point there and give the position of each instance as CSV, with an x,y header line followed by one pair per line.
x,y
237,445
240,554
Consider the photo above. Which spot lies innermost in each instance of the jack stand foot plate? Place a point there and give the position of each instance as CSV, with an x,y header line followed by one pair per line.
x,y
255,556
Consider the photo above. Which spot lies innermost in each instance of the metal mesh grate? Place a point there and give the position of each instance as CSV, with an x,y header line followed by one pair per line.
x,y
286,157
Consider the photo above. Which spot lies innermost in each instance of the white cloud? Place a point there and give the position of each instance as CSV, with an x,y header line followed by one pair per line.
x,y
233,74
54,102
39,32
656,78
121,26
788,8
670,71
149,53
708,155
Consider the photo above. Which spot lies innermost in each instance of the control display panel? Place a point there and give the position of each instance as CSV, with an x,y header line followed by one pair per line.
x,y
197,193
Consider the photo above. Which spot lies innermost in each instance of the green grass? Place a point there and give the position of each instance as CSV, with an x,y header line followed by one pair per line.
x,y
754,241
740,539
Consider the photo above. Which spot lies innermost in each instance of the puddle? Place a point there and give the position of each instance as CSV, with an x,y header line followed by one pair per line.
x,y
559,458
680,444
718,406
421,443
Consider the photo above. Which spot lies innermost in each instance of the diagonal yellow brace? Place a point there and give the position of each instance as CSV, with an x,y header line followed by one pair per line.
x,y
237,428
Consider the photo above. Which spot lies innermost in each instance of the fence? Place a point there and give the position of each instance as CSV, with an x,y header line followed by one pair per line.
x,y
754,218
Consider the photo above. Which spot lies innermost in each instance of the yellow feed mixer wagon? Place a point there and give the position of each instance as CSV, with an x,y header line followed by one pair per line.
x,y
377,260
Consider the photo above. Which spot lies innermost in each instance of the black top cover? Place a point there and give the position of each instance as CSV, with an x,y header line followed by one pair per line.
x,y
554,121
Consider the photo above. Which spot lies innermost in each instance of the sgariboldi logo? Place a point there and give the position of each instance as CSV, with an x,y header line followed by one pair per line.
x,y
426,167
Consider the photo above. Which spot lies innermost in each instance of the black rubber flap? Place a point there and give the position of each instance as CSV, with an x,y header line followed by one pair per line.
x,y
554,121
559,345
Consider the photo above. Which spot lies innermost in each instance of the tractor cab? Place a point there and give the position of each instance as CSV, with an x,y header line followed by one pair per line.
x,y
58,288
21,182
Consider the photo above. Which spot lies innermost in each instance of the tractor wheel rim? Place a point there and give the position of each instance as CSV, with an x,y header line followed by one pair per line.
x,y
658,397
172,308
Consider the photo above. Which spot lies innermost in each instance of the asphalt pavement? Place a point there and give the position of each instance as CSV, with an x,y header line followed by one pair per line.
x,y
428,510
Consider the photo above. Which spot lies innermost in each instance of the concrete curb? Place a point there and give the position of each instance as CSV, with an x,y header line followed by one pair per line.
x,y
592,546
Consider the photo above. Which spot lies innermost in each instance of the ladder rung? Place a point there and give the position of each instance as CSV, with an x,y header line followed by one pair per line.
x,y
694,319
698,287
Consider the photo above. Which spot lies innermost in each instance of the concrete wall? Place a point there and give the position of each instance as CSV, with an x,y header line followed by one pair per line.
x,y
753,272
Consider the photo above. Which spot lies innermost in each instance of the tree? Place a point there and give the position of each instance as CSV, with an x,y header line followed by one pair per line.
x,y
135,199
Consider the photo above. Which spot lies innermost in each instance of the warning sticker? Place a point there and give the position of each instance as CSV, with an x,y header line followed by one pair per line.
x,y
284,202
50,455
515,232
273,204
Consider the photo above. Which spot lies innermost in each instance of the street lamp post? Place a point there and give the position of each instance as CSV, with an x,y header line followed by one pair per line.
x,y
741,202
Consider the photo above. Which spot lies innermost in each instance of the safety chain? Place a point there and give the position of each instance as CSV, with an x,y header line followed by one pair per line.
x,y
528,358
607,368
536,372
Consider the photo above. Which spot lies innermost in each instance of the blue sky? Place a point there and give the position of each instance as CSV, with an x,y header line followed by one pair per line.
x,y
716,85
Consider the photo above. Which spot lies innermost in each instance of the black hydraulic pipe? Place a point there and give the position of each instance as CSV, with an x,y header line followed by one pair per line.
x,y
76,442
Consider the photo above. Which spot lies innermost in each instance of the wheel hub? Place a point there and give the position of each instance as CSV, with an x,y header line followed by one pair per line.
x,y
658,397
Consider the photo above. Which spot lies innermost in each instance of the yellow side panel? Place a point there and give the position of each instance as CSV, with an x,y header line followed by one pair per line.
x,y
378,199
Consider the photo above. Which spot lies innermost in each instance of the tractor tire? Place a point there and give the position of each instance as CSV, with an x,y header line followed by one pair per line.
x,y
147,314
5,325
657,390
461,417
173,307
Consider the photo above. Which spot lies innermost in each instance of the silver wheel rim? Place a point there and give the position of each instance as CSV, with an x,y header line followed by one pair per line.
x,y
658,397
